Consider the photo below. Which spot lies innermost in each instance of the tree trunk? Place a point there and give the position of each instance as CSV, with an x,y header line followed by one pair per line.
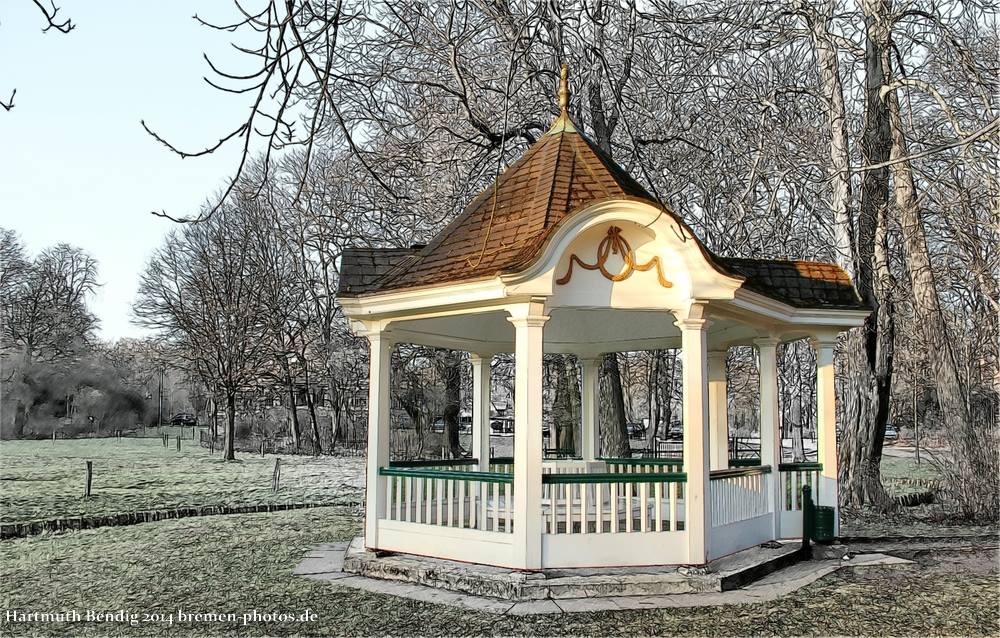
x,y
20,419
229,446
869,351
951,390
614,435
564,417
452,373
831,88
293,413
215,418
655,393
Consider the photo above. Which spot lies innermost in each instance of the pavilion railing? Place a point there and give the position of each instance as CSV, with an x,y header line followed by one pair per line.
x,y
601,503
643,465
503,464
450,498
435,464
793,476
738,494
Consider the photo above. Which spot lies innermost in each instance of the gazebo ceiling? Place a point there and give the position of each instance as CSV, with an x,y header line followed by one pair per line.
x,y
580,331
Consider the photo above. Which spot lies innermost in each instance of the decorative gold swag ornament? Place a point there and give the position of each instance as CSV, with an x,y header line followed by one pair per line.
x,y
615,243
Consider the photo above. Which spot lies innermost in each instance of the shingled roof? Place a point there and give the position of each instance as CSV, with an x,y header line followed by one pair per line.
x,y
361,268
801,284
505,227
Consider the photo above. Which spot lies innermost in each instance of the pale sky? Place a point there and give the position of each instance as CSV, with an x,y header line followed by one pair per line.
x,y
75,164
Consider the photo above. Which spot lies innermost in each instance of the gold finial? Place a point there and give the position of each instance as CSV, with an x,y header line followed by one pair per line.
x,y
564,91
563,124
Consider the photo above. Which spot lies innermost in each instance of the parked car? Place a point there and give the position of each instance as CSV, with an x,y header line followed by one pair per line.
x,y
675,431
891,432
183,419
635,430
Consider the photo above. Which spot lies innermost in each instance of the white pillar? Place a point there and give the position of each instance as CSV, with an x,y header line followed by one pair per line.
x,y
770,428
379,367
481,409
694,343
718,410
826,426
590,445
528,319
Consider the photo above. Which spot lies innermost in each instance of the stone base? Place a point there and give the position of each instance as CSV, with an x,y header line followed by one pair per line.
x,y
727,573
773,570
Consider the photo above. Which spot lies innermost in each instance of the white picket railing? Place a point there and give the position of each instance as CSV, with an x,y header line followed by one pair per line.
x,y
643,466
793,476
469,500
611,503
738,494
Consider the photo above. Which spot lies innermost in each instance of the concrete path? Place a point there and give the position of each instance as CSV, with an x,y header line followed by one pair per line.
x,y
326,562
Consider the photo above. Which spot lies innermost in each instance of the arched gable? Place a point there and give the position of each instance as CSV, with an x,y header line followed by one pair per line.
x,y
623,254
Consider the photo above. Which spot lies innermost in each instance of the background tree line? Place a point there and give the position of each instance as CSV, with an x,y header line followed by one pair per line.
x,y
863,132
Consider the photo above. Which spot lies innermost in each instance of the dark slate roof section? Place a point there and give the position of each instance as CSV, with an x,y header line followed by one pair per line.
x,y
361,268
801,284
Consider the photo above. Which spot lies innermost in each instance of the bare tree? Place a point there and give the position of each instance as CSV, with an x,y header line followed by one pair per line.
x,y
201,292
50,13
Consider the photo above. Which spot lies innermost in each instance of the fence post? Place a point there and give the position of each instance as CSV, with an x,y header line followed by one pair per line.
x,y
53,435
90,476
807,519
276,476
178,442
262,447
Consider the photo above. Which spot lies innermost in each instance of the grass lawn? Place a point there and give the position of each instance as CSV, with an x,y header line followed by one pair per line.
x,y
235,564
45,479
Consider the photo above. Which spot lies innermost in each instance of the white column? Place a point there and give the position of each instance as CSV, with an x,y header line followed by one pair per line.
x,y
770,428
590,446
528,319
694,343
718,410
379,367
481,409
826,426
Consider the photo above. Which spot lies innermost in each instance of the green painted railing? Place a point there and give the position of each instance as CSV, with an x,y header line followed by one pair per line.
x,y
800,467
615,477
715,475
744,462
452,475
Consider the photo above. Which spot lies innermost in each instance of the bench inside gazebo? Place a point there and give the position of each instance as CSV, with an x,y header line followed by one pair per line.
x,y
566,253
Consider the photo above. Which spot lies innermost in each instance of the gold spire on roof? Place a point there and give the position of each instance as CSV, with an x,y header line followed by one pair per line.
x,y
563,123
564,91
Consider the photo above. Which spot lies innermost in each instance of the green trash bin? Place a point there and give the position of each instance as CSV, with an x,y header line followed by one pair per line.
x,y
822,531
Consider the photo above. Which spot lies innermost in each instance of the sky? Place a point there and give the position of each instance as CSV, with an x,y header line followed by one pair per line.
x,y
76,166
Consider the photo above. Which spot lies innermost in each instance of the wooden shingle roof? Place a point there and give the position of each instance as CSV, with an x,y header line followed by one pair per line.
x,y
504,228
800,284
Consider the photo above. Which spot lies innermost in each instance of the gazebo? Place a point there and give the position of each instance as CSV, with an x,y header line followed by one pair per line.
x,y
567,253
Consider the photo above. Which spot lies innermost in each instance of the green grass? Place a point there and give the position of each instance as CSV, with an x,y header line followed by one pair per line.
x,y
234,564
45,479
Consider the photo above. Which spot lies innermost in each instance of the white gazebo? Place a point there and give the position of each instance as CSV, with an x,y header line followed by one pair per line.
x,y
567,253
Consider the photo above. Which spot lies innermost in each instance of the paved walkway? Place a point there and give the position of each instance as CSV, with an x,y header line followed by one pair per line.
x,y
326,563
